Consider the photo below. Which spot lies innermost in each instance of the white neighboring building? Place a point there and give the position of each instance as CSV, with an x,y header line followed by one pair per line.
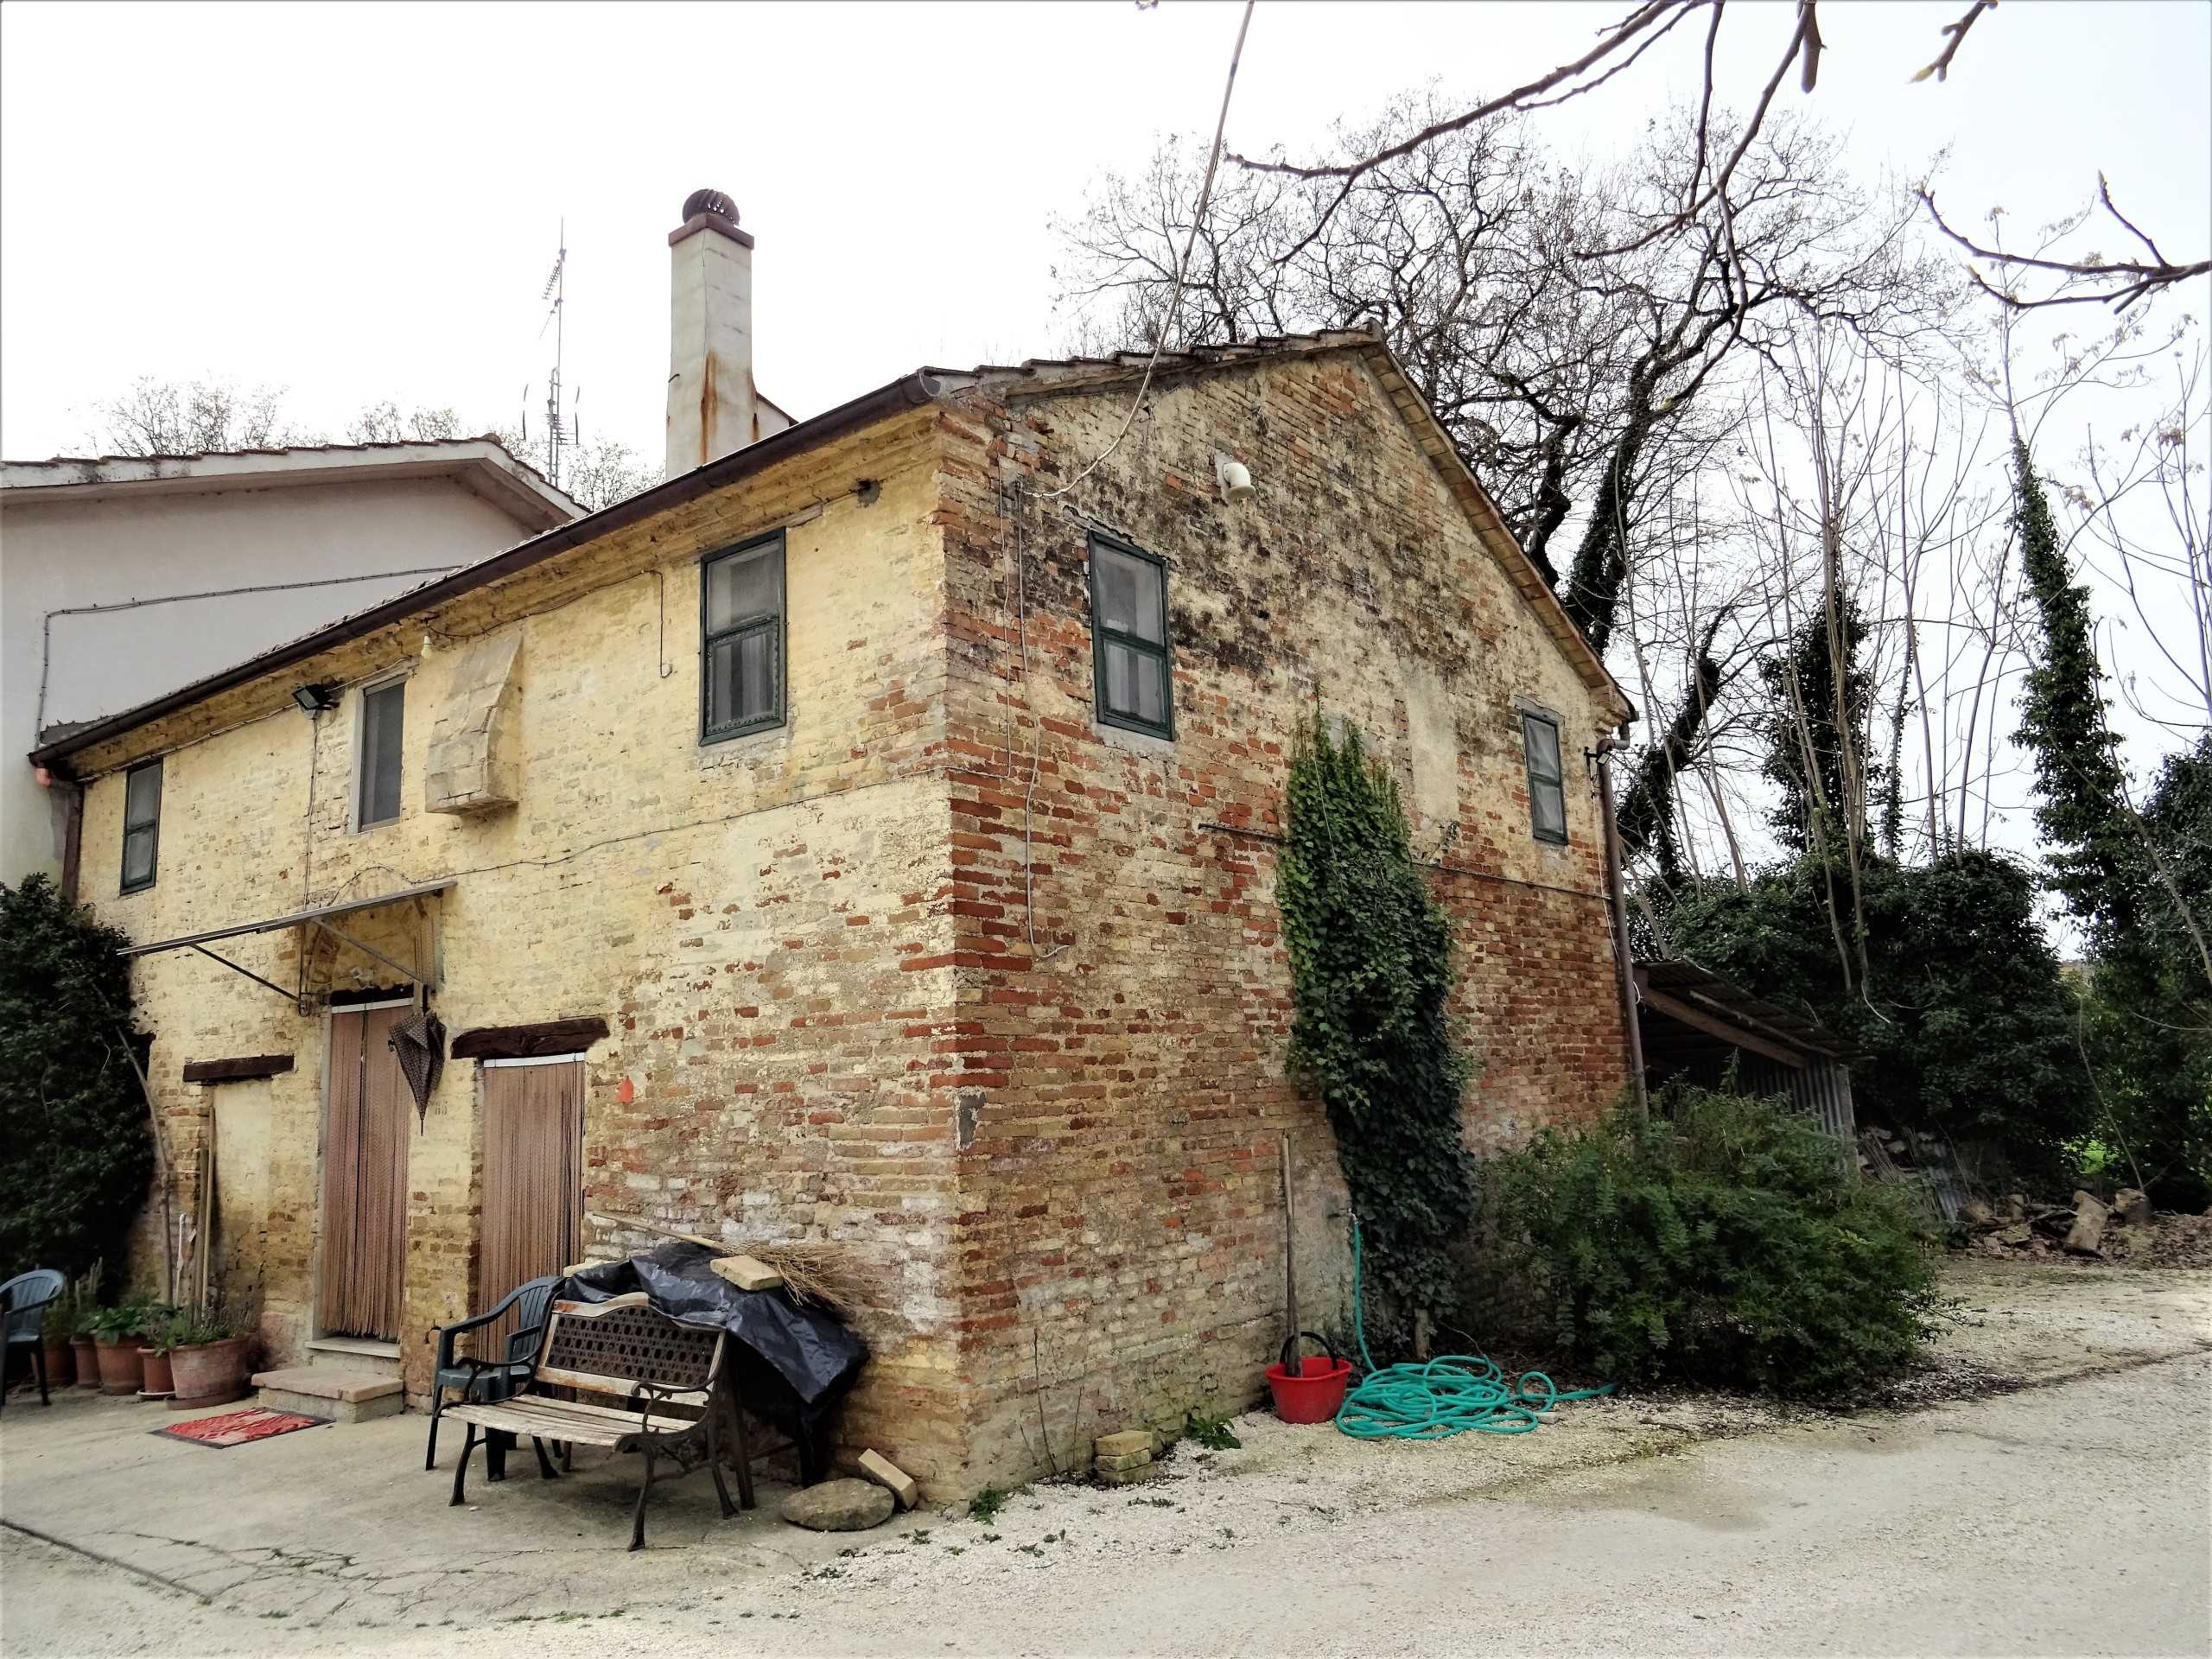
x,y
123,578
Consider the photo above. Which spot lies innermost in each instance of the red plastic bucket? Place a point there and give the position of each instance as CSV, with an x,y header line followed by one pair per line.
x,y
1315,1393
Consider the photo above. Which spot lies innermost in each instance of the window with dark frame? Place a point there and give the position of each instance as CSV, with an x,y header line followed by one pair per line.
x,y
1131,666
142,824
383,715
1547,782
741,640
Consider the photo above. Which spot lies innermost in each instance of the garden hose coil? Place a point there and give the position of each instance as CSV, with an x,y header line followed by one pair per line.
x,y
1433,1400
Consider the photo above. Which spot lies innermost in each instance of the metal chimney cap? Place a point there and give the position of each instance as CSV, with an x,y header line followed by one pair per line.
x,y
710,201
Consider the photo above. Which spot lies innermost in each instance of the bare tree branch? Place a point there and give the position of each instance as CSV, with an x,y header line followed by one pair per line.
x,y
1942,67
2120,283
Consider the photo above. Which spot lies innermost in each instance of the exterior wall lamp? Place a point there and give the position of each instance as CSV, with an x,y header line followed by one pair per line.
x,y
315,699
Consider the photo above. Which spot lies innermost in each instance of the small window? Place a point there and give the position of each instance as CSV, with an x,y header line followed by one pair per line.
x,y
1128,638
142,824
741,641
384,714
1546,785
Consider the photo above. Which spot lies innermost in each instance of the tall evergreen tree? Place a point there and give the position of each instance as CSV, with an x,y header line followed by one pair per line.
x,y
2088,846
1802,677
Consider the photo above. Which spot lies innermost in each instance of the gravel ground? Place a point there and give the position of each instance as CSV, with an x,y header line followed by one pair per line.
x,y
2041,1488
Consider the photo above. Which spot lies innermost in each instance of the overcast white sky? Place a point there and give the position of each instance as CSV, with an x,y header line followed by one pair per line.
x,y
362,202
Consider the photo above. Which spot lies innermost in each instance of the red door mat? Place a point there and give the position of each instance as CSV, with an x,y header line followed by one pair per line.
x,y
238,1428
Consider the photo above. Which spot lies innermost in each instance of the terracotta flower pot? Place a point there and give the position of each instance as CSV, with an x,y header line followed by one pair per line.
x,y
120,1370
209,1373
84,1356
61,1364
158,1377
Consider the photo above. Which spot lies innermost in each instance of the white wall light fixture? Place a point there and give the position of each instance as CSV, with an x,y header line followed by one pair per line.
x,y
1234,477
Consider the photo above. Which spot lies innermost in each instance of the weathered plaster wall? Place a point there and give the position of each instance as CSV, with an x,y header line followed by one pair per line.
x,y
1121,1225
761,922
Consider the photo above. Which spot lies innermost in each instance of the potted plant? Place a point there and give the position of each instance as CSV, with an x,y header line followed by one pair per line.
x,y
57,1325
84,1354
115,1336
83,1297
210,1354
159,1332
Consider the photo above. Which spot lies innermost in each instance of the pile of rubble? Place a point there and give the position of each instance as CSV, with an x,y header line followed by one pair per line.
x,y
2117,1231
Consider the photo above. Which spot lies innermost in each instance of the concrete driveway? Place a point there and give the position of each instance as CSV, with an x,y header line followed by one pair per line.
x,y
2046,1487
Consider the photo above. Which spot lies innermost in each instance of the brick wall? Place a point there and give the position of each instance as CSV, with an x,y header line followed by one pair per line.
x,y
1119,1240
943,970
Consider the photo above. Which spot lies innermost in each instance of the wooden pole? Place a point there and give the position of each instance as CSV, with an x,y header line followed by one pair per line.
x,y
1289,1250
161,1162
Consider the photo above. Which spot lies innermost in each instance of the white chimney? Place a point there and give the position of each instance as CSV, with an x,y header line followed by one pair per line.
x,y
712,407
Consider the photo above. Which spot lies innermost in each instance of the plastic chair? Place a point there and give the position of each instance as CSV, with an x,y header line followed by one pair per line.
x,y
22,1299
486,1380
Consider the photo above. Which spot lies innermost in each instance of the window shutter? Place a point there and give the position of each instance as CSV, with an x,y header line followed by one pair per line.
x,y
1547,781
741,640
142,824
1132,665
384,716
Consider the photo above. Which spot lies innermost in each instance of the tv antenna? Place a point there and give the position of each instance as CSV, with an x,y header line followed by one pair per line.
x,y
560,427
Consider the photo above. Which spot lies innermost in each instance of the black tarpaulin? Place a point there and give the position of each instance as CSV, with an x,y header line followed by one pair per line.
x,y
791,1364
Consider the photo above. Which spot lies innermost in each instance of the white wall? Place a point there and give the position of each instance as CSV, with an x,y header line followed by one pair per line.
x,y
58,555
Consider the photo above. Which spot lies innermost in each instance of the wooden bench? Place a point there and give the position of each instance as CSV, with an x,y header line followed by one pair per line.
x,y
668,1378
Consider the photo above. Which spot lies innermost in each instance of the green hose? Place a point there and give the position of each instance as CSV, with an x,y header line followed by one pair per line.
x,y
1439,1398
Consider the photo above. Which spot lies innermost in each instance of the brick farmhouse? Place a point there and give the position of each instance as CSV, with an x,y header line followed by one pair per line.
x,y
890,805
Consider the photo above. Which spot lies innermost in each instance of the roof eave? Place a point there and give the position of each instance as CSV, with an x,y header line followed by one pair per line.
x,y
482,465
909,391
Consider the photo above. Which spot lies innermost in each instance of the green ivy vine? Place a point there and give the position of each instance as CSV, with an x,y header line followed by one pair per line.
x,y
1371,955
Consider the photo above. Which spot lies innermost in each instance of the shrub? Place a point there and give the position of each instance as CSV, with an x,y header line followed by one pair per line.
x,y
2147,1005
76,1152
1964,1024
1718,1242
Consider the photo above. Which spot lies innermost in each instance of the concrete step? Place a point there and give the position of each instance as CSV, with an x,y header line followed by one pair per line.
x,y
325,1392
360,1354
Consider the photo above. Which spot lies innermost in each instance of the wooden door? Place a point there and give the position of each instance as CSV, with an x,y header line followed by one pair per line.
x,y
364,1177
533,1177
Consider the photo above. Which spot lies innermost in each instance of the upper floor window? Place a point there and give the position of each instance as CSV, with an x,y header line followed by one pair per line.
x,y
383,715
142,824
1128,638
741,640
1546,784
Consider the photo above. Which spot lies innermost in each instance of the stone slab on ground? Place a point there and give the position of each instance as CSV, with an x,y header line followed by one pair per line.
x,y
846,1505
2087,1236
333,1395
894,1480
